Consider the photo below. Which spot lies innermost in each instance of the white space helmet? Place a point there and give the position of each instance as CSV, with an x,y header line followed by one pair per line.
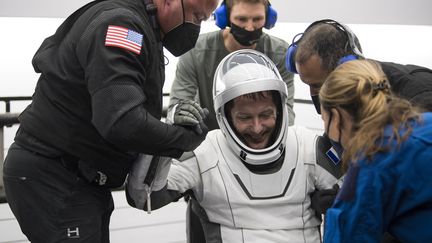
x,y
242,72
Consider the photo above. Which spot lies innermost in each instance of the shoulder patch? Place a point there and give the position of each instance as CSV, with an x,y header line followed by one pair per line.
x,y
327,157
333,156
124,38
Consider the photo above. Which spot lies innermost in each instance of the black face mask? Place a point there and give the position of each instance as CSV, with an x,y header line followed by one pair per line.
x,y
181,39
316,102
244,37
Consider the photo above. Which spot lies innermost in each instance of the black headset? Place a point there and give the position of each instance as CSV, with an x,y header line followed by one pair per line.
x,y
221,16
351,44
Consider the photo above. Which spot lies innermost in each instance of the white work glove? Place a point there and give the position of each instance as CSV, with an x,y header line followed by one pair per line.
x,y
188,113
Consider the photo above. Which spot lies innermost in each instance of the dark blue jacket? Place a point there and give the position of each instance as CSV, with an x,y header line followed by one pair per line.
x,y
393,193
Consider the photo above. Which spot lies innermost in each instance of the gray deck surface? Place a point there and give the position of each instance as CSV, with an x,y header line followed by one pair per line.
x,y
166,225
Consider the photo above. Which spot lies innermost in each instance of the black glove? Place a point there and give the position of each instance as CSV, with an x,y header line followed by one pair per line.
x,y
389,238
191,138
188,113
321,200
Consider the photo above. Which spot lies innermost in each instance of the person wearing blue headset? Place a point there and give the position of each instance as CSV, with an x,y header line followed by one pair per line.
x,y
241,23
326,44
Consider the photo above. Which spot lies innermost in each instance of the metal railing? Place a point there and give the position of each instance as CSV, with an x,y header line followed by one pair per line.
x,y
7,119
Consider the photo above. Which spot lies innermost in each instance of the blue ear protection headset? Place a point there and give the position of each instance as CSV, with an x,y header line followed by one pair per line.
x,y
221,16
290,55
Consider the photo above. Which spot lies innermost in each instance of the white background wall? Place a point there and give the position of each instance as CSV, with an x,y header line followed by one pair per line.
x,y
412,12
389,30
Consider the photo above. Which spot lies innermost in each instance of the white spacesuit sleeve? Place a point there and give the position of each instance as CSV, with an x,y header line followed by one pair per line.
x,y
323,179
185,175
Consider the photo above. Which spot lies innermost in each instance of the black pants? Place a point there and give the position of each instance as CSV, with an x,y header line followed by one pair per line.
x,y
53,204
195,232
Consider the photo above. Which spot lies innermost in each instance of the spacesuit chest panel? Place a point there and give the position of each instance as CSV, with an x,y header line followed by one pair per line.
x,y
236,197
260,186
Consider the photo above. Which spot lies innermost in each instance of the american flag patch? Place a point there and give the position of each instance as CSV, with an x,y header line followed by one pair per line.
x,y
124,38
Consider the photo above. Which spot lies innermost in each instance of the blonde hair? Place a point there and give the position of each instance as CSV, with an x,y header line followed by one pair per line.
x,y
361,88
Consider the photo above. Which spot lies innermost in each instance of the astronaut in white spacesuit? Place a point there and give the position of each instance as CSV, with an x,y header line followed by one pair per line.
x,y
252,178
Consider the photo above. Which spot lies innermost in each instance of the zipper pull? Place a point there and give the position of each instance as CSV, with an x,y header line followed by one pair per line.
x,y
148,200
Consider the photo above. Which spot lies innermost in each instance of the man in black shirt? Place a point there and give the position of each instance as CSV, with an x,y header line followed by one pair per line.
x,y
97,104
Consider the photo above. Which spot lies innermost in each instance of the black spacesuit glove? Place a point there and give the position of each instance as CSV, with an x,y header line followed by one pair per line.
x,y
321,200
389,238
187,113
191,137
